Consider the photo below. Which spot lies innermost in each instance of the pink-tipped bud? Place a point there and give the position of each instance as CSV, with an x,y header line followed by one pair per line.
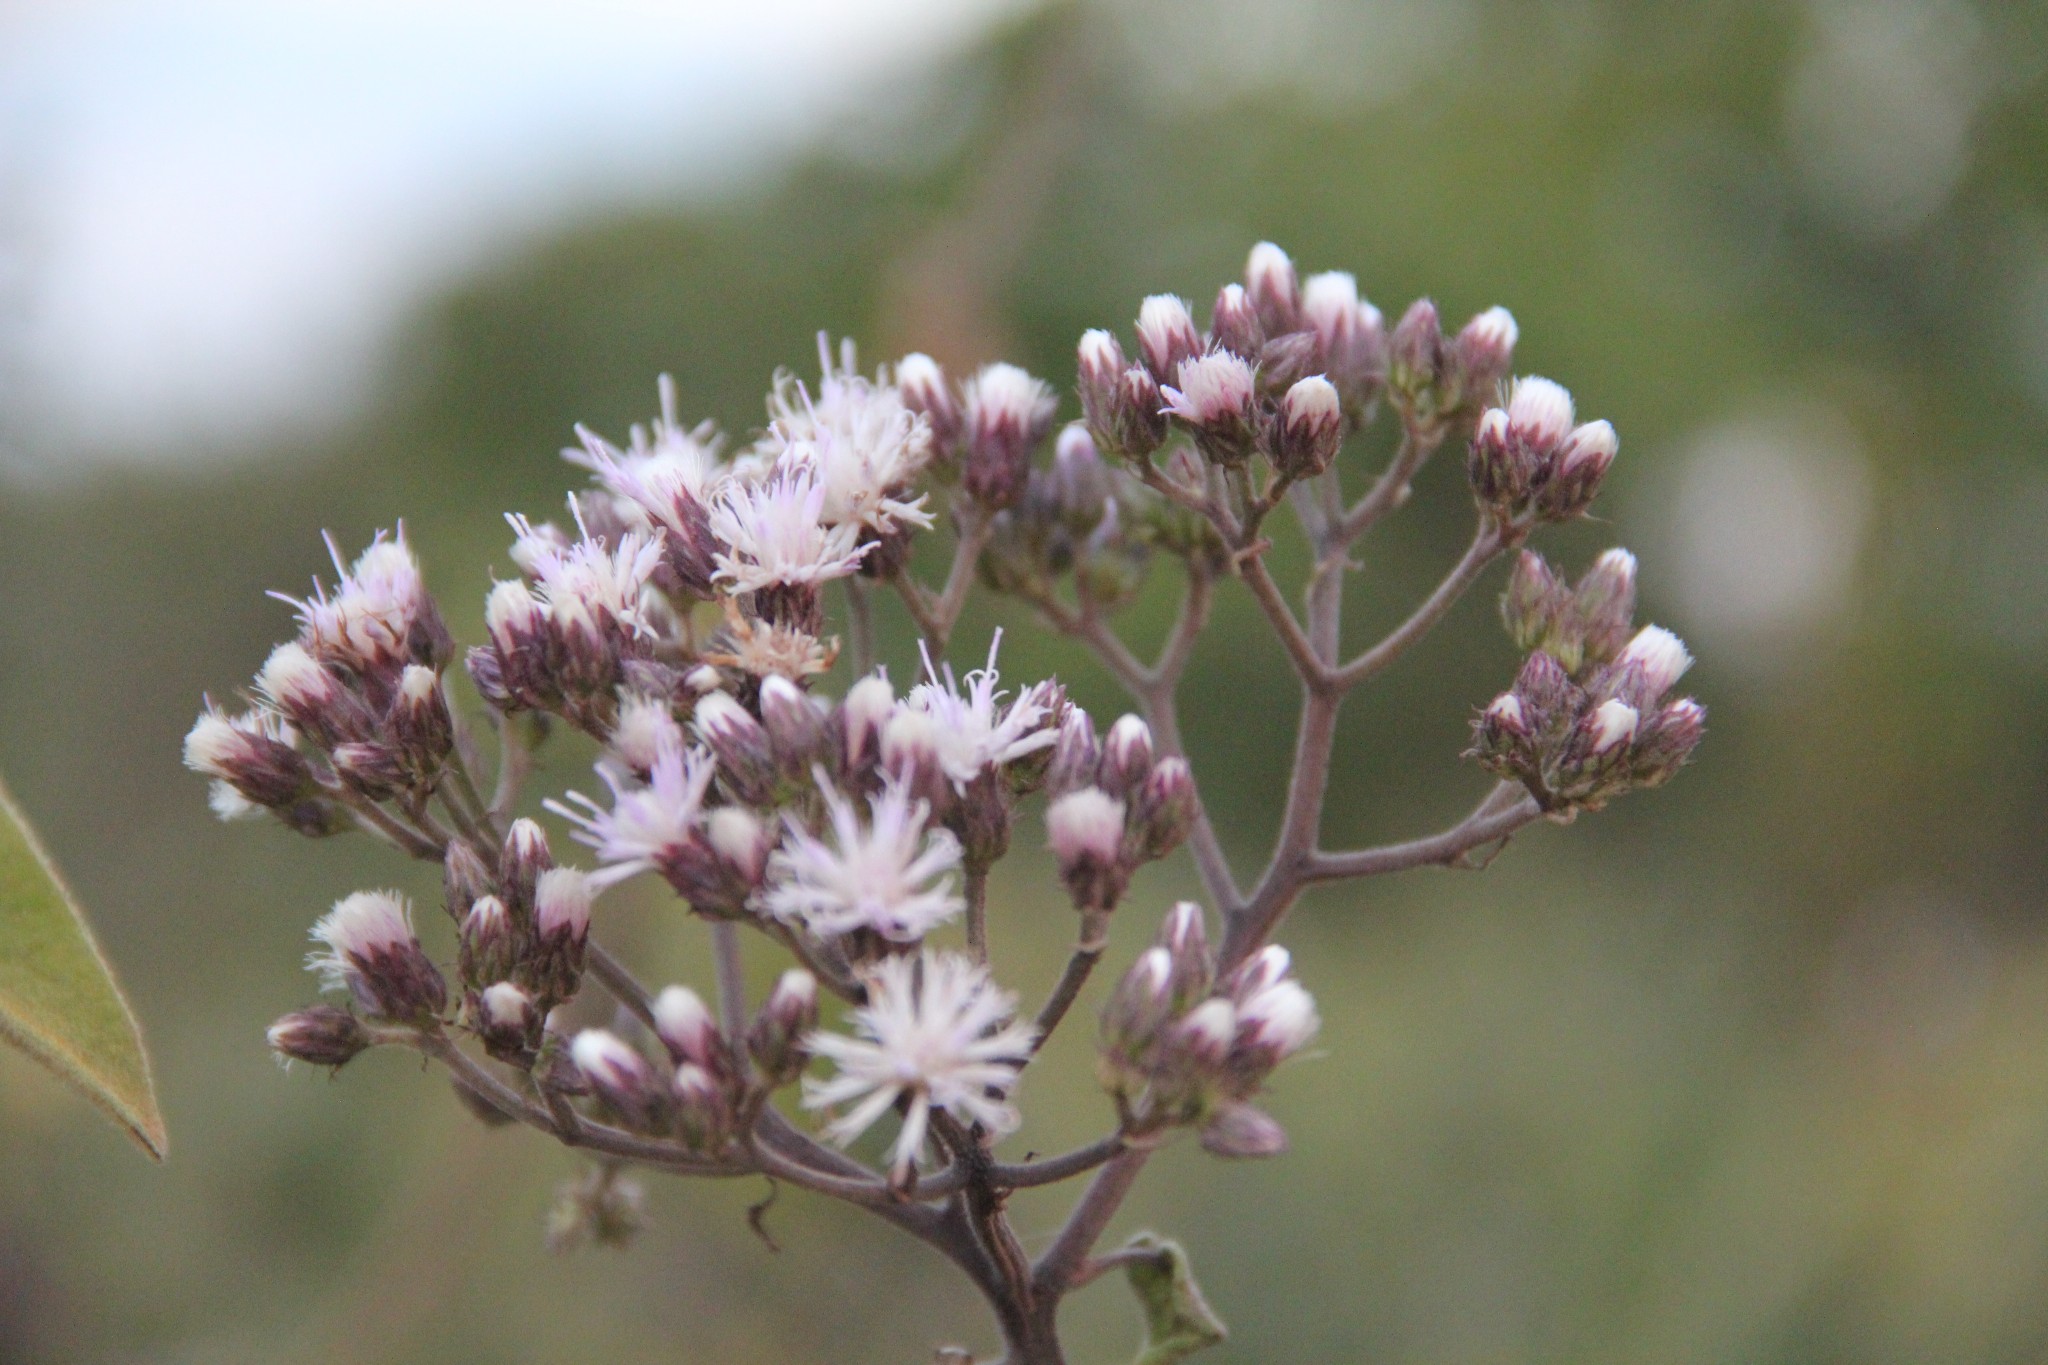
x,y
1485,354
1610,725
686,1027
1124,421
1533,603
253,754
371,952
1351,341
1140,1006
420,720
489,947
1539,415
746,757
1309,428
463,878
922,386
1660,656
1185,940
1580,466
1127,755
864,712
911,753
1276,1022
620,1077
776,1040
1214,398
1605,604
1417,357
741,841
507,1019
1008,414
307,692
1506,711
644,728
320,1036
1666,740
1076,755
1500,471
1142,408
526,856
1208,1033
794,723
1238,1132
702,1111
1234,323
1085,830
1166,335
1274,288
1163,810
561,904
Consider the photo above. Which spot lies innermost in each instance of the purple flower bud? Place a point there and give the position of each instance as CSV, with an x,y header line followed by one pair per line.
x,y
1163,810
864,711
746,757
1183,937
787,1016
420,720
1581,463
794,724
1308,428
741,841
1240,1132
922,386
1351,342
1485,354
1234,323
1167,338
463,878
1085,830
1127,755
371,952
1140,1006
1008,414
1123,422
685,1026
1666,740
320,1036
509,1022
1275,291
1539,414
911,753
1660,655
1605,604
703,1113
1207,1034
620,1078
1416,355
1076,755
1501,471
308,693
561,922
1141,410
1214,399
1531,606
252,754
488,942
1610,725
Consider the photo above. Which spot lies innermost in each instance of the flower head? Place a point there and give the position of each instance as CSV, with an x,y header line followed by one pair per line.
x,y
891,876
776,535
587,583
865,446
937,1031
975,731
379,615
645,825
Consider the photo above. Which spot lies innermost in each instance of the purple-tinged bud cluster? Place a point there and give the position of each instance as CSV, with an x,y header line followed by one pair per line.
x,y
1180,1047
1528,461
1008,416
1116,805
1588,717
1080,517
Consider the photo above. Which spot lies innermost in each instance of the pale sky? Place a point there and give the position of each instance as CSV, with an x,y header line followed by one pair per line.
x,y
213,214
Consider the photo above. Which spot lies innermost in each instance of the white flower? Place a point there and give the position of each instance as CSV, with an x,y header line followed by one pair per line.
x,y
893,876
1539,413
586,580
936,1031
645,823
864,445
1085,823
776,536
974,731
655,481
377,602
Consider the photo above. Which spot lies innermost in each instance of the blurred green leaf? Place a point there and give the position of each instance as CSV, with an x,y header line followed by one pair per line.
x,y
58,1001
1178,1320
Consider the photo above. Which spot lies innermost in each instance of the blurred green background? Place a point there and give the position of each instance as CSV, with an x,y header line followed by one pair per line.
x,y
1750,1069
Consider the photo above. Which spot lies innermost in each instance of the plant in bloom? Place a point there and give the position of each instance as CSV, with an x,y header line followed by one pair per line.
x,y
762,767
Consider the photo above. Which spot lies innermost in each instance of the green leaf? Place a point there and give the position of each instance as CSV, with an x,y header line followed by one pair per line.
x,y
58,1001
1178,1320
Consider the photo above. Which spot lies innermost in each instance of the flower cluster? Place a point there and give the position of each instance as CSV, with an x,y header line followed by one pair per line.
x,y
678,620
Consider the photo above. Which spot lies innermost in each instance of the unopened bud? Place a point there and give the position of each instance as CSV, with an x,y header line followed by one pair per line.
x,y
746,758
1532,603
1107,406
1581,464
646,725
561,922
1208,1033
323,1035
1241,1132
911,754
1661,657
794,723
685,1025
1185,940
1085,830
508,1021
1141,410
463,877
1308,428
864,710
1416,357
1485,355
308,693
1140,1006
375,769
1610,725
489,947
253,754
1499,470
1008,414
1166,335
787,1016
1666,740
371,952
620,1077
1234,323
1275,1022
1214,398
702,1112
420,720
922,386
1605,605
526,856
1076,755
1127,755
1274,289
1539,413
1351,343
1163,811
